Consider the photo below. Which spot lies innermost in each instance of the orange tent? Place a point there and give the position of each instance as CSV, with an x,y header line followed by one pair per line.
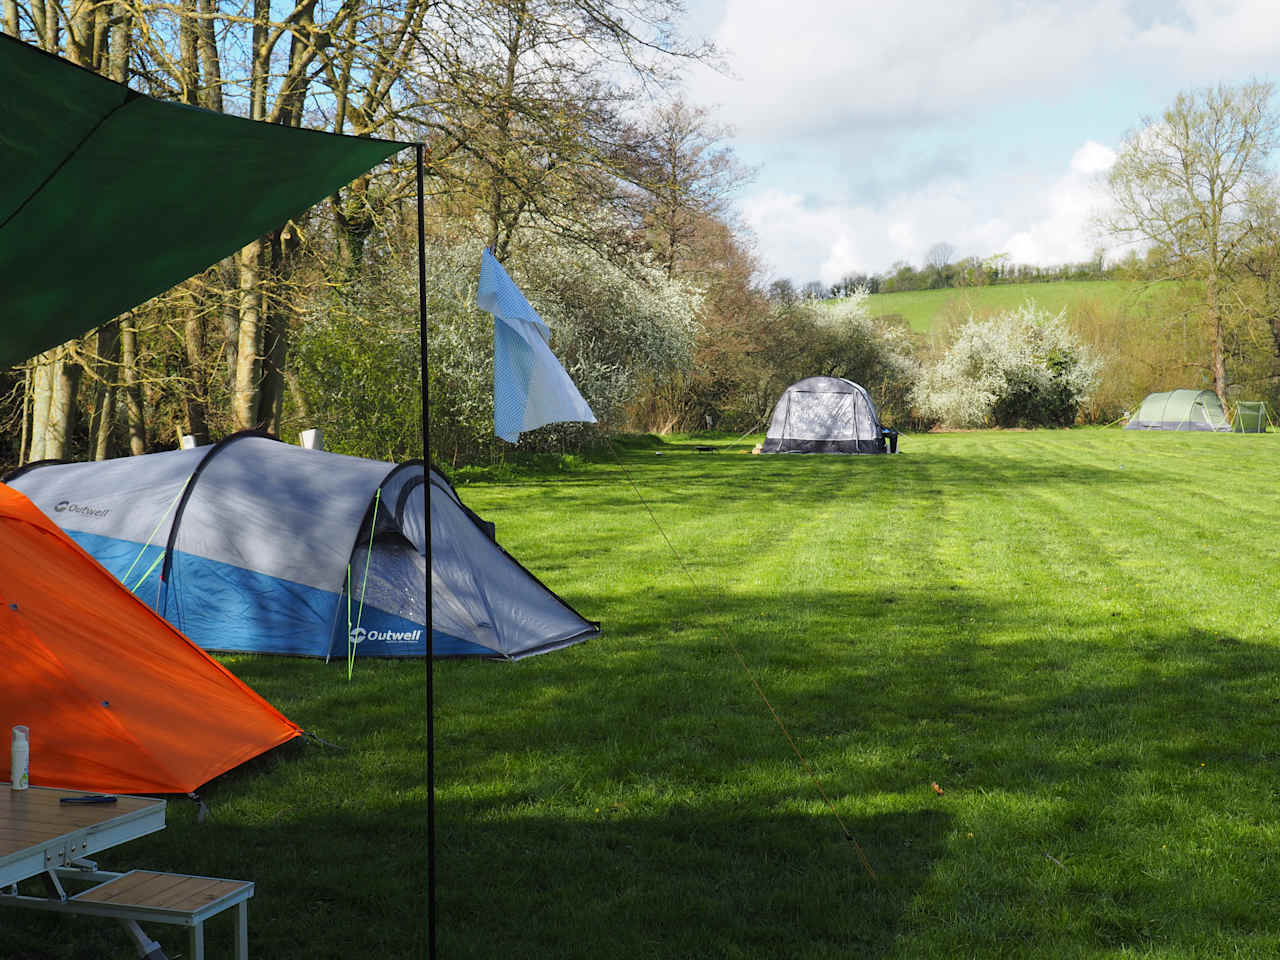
x,y
116,699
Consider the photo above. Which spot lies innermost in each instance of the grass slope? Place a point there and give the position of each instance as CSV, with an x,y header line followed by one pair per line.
x,y
1071,633
922,309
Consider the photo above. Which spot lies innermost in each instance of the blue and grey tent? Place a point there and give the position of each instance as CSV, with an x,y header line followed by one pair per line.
x,y
253,545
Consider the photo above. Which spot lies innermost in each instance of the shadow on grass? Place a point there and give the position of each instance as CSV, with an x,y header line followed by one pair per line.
x,y
733,470
1086,778
693,883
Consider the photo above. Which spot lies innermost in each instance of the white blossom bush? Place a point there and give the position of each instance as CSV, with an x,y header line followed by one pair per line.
x,y
1024,367
879,355
616,329
357,354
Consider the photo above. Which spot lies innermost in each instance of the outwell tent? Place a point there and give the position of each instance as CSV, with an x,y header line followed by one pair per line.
x,y
483,602
260,546
1180,410
116,699
827,415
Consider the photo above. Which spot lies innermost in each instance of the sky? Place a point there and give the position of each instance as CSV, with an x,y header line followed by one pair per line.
x,y
879,130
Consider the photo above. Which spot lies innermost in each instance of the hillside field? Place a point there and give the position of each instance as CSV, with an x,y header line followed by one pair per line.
x,y
923,309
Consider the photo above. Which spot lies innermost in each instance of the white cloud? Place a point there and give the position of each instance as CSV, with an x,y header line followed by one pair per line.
x,y
807,66
1035,219
1063,231
980,123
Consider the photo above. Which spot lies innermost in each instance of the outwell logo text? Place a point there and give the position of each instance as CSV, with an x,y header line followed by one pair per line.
x,y
66,506
360,635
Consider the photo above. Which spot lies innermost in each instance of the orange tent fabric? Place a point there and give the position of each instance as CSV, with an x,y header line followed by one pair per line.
x,y
116,699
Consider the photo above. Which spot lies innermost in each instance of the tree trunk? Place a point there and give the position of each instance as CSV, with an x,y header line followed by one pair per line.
x,y
245,390
1215,324
275,340
195,397
26,413
118,57
41,392
190,65
80,33
132,390
10,23
65,381
211,93
229,274
109,352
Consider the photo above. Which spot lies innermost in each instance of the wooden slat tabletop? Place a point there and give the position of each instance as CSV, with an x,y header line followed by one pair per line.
x,y
33,819
166,890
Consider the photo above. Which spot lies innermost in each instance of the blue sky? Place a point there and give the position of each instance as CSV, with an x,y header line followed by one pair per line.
x,y
880,130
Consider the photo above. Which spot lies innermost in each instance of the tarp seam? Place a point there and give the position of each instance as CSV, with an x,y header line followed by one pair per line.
x,y
130,95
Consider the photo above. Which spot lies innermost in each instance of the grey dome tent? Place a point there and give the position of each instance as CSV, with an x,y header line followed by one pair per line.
x,y
1181,410
827,415
253,545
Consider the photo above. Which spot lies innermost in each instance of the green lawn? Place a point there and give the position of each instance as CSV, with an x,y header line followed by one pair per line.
x,y
1072,633
925,308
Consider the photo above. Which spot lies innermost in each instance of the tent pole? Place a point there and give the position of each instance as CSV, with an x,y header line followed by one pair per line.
x,y
426,455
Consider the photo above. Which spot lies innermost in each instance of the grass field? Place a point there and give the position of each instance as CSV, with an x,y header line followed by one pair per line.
x,y
922,309
1072,633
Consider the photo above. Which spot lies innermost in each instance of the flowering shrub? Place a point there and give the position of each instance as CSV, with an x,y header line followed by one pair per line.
x,y
357,354
876,354
1020,368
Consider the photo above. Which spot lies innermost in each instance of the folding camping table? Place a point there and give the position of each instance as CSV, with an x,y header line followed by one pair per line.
x,y
42,837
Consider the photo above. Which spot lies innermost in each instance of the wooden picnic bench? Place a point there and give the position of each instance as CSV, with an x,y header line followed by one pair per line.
x,y
42,837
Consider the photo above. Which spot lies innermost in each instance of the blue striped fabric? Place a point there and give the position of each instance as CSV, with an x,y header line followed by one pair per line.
x,y
530,387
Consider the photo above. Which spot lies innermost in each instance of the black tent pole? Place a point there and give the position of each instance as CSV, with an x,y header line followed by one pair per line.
x,y
426,455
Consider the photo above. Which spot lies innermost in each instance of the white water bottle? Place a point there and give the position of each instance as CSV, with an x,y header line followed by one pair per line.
x,y
20,759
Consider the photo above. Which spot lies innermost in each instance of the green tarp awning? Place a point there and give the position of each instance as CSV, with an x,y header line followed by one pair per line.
x,y
108,198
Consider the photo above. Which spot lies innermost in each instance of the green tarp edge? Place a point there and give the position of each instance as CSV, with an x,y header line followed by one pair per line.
x,y
108,197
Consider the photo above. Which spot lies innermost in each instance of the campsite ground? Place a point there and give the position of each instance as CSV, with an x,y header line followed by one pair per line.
x,y
1072,633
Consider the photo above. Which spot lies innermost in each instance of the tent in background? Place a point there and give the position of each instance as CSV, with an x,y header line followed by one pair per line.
x,y
827,415
1180,410
253,545
117,700
1251,417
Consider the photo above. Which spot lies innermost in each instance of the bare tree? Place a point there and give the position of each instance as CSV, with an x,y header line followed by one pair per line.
x,y
687,172
937,259
525,106
1195,184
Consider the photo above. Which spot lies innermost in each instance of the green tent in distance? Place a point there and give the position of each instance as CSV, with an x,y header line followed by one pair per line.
x,y
1181,410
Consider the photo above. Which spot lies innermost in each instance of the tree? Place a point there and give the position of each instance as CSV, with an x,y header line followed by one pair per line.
x,y
1194,184
687,174
525,103
783,292
1024,367
937,259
